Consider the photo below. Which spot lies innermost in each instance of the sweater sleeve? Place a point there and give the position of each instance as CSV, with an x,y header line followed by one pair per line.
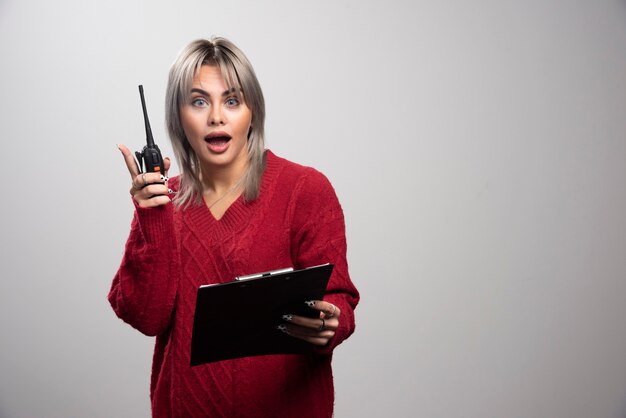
x,y
318,237
144,289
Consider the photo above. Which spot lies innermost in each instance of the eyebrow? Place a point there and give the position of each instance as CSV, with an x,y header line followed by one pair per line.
x,y
206,93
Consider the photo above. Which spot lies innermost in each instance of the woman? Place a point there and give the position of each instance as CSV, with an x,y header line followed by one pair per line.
x,y
235,209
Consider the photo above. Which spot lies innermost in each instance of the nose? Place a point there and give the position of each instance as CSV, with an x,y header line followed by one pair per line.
x,y
215,117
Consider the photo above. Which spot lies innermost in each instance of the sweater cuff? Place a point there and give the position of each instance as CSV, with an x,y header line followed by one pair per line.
x,y
346,324
155,223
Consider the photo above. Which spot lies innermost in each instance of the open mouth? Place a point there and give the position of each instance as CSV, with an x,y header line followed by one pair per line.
x,y
217,138
217,141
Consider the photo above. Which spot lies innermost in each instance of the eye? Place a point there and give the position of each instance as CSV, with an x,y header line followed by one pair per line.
x,y
232,102
198,102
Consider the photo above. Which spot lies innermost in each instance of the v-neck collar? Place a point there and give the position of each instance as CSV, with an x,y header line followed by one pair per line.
x,y
238,214
235,217
239,198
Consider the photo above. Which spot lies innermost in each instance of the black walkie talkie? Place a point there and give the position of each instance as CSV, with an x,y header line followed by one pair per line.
x,y
150,156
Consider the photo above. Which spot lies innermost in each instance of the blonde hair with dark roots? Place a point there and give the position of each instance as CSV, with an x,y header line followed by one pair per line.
x,y
238,74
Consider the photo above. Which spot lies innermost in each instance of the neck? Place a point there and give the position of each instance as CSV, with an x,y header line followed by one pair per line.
x,y
220,179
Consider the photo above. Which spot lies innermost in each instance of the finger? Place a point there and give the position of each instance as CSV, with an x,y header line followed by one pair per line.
x,y
153,201
312,323
303,331
144,179
166,165
148,191
327,309
129,158
152,190
318,338
152,178
330,310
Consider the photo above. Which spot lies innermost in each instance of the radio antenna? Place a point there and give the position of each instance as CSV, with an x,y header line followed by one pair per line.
x,y
149,139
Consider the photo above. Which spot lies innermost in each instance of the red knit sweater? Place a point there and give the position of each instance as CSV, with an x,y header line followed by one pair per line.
x,y
296,221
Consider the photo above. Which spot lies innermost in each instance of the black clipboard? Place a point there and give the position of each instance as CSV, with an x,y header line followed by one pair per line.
x,y
239,318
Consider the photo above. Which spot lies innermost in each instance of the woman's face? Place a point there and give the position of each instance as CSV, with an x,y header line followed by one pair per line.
x,y
216,121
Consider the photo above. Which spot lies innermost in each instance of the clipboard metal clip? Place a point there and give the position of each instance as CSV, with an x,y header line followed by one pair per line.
x,y
265,274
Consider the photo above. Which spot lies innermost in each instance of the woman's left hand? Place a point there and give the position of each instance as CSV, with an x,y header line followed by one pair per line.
x,y
317,331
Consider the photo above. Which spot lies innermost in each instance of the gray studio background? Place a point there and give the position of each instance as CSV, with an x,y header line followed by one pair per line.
x,y
477,148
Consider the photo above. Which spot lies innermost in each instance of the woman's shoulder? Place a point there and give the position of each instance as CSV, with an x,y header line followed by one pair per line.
x,y
295,172
301,185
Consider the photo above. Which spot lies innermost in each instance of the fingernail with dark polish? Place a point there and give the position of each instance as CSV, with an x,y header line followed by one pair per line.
x,y
287,318
282,328
310,303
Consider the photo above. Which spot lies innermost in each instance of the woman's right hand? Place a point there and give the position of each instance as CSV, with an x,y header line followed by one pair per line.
x,y
148,189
